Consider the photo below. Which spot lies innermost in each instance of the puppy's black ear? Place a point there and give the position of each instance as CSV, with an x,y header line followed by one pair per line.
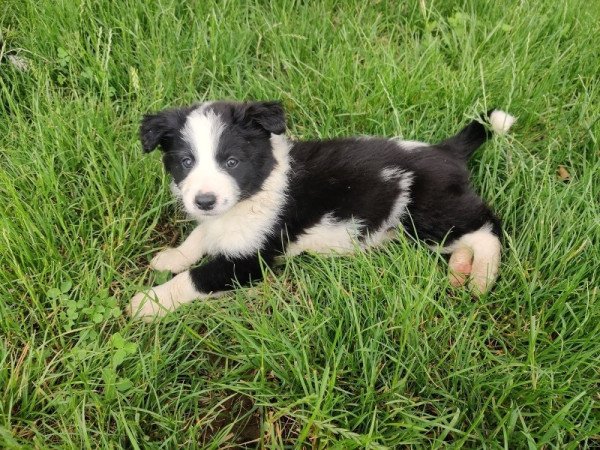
x,y
268,115
160,128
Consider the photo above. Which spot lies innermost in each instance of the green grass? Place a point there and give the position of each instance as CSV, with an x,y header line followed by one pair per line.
x,y
370,351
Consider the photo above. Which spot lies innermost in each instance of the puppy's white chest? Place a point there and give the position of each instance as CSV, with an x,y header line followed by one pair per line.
x,y
238,233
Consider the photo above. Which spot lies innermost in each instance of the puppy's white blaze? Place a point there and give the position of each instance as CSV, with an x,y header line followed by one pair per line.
x,y
486,250
164,298
405,180
328,236
203,131
244,228
501,121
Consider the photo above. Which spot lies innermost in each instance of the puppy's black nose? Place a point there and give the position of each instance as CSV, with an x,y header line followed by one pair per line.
x,y
205,201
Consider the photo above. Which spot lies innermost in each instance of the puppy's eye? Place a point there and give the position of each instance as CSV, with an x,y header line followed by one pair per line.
x,y
231,163
187,162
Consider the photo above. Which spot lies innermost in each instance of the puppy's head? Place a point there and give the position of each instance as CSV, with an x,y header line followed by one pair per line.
x,y
218,153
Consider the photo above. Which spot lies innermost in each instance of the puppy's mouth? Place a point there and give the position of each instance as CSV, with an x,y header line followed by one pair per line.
x,y
202,213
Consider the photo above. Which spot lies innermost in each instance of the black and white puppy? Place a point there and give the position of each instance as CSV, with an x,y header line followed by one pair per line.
x,y
257,195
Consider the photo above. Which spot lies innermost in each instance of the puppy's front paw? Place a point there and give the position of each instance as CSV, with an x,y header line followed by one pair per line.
x,y
145,306
171,259
161,299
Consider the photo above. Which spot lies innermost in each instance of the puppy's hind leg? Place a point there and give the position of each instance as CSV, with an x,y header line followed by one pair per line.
x,y
460,266
475,259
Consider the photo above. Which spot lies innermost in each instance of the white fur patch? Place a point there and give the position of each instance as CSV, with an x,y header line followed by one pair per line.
x,y
203,131
501,121
391,173
328,236
405,180
411,145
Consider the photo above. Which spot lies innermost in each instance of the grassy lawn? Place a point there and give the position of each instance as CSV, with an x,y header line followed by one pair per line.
x,y
370,351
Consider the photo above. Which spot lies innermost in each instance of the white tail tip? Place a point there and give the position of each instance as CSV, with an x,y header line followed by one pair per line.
x,y
501,121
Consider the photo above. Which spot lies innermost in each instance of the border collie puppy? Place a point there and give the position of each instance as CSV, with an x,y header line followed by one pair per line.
x,y
257,195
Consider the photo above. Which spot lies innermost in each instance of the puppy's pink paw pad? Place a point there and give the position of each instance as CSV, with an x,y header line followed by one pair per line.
x,y
460,266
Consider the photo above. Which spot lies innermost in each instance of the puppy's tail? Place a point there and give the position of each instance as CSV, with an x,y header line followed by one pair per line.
x,y
471,137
